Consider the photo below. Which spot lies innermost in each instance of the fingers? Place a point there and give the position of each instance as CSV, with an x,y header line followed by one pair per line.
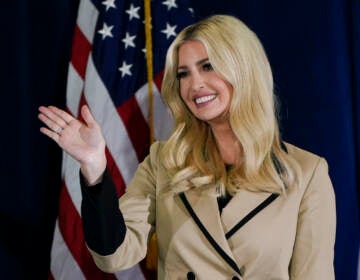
x,y
61,113
51,119
53,135
53,125
87,116
55,118
58,121
57,115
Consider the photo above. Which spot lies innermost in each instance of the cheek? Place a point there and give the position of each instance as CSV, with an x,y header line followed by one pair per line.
x,y
228,89
183,88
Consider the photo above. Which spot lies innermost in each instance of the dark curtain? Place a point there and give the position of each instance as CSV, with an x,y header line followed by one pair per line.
x,y
35,48
313,47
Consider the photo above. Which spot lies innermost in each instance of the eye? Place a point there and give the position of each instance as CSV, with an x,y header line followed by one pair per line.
x,y
182,74
207,67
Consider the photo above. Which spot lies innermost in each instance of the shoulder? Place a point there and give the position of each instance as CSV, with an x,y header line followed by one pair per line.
x,y
314,168
307,160
148,170
153,159
156,148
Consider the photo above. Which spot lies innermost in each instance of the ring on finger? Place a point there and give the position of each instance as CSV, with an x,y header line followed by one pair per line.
x,y
58,131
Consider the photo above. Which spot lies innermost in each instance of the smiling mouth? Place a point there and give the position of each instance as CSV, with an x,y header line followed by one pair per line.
x,y
204,99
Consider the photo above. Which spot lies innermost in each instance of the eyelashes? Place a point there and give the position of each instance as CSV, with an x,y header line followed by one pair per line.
x,y
206,67
181,74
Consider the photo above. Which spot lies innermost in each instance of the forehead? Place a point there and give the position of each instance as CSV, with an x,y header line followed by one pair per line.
x,y
191,51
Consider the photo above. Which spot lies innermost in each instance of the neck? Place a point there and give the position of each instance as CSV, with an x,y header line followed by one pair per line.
x,y
227,143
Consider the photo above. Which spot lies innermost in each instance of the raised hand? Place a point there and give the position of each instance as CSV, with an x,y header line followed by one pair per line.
x,y
81,140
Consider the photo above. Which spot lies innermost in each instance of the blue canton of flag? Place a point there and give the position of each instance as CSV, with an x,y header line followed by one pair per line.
x,y
119,47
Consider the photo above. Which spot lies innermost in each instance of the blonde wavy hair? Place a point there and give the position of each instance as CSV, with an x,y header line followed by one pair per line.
x,y
190,154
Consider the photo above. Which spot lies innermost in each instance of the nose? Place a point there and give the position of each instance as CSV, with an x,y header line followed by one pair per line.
x,y
197,81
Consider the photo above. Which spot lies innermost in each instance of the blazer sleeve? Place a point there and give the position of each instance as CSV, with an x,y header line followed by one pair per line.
x,y
313,253
99,210
137,206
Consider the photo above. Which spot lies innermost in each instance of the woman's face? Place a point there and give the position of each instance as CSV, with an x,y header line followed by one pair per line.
x,y
204,92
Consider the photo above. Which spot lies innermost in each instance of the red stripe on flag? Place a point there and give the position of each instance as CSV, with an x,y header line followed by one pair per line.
x,y
80,51
50,276
136,126
71,229
158,79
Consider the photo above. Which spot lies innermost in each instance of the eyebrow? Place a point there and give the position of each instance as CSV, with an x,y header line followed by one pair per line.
x,y
201,61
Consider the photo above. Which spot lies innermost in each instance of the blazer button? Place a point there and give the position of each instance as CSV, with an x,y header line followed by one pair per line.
x,y
235,278
190,275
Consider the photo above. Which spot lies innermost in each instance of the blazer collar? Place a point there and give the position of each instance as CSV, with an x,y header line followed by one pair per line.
x,y
202,206
243,207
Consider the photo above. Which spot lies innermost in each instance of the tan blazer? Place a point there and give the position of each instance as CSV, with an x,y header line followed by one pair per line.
x,y
258,236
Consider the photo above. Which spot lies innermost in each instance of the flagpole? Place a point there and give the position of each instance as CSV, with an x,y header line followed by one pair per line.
x,y
149,64
151,256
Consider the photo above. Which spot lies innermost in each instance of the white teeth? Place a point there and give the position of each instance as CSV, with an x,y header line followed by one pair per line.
x,y
204,99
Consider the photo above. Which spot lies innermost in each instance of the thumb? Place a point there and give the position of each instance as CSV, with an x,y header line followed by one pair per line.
x,y
87,116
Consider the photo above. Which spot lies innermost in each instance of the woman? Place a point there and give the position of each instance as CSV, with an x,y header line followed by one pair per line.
x,y
227,198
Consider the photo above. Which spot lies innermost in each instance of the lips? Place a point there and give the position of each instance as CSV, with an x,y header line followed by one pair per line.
x,y
204,99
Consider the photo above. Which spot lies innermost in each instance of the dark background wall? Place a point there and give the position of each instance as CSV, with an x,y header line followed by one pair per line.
x,y
313,47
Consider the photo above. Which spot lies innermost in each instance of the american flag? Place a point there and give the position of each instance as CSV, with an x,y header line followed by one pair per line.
x,y
108,71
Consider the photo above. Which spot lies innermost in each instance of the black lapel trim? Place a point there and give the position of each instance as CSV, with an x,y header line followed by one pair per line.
x,y
249,216
283,146
278,166
218,249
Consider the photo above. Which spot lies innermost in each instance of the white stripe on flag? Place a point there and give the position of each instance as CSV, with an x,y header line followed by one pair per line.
x,y
73,91
63,265
70,174
87,18
163,123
